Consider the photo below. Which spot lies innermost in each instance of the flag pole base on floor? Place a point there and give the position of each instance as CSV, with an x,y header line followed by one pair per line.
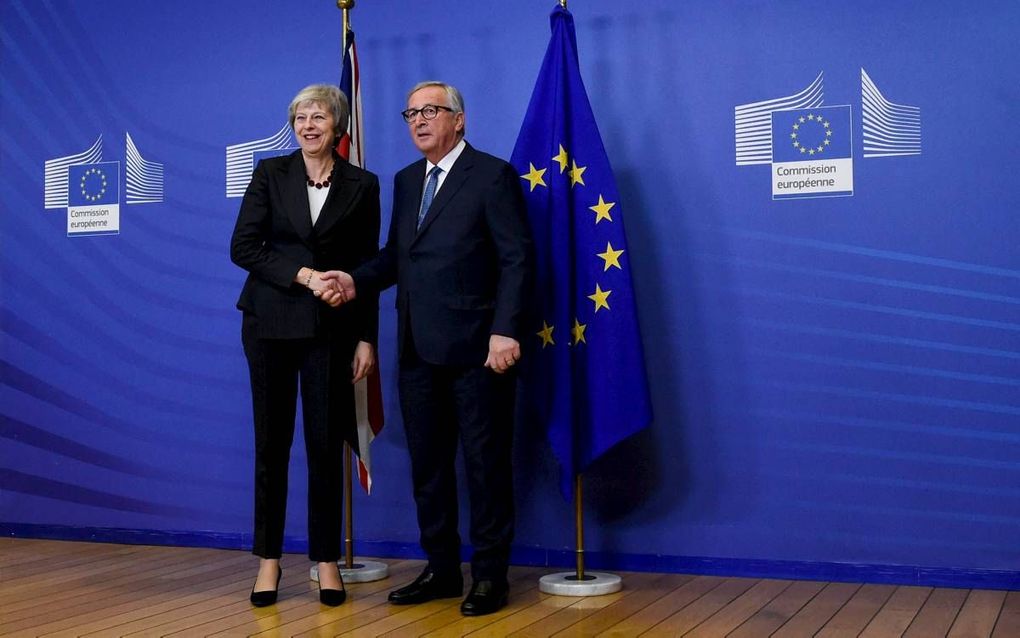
x,y
363,571
568,584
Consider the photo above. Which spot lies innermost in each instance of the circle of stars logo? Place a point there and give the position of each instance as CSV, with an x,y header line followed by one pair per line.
x,y
93,184
810,125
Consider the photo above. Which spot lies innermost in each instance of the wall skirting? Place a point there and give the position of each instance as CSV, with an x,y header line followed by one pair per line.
x,y
562,558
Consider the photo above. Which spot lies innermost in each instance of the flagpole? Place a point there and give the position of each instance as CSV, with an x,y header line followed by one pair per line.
x,y
578,506
345,7
579,582
348,508
362,571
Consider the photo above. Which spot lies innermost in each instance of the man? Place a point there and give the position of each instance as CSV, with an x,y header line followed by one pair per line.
x,y
459,251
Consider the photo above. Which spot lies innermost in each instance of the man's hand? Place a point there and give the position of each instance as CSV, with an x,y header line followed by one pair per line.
x,y
503,353
339,289
364,361
319,286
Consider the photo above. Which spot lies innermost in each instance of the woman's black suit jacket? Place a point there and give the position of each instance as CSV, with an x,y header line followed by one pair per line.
x,y
274,238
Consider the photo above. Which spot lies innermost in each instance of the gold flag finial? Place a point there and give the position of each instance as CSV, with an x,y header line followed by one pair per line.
x,y
345,7
563,3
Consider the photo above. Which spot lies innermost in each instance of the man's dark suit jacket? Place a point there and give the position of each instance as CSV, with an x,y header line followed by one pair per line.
x,y
466,274
274,238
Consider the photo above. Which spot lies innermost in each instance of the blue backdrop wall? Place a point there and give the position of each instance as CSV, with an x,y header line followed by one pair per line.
x,y
834,379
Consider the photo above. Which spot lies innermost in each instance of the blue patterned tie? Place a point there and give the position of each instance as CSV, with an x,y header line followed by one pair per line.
x,y
430,192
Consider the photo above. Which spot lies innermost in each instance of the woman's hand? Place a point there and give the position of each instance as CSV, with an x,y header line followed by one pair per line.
x,y
325,288
364,361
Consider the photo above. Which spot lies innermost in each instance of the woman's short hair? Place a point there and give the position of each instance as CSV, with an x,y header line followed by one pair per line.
x,y
329,96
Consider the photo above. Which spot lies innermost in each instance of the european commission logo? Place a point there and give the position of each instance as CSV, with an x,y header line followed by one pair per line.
x,y
93,205
242,157
89,188
808,145
811,153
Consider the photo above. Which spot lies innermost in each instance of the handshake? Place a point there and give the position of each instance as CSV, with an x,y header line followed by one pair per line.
x,y
333,287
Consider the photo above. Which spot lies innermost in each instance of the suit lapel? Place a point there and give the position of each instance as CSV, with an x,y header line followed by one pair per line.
x,y
453,182
295,195
343,193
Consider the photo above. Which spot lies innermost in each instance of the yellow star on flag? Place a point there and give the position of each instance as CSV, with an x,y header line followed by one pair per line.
x,y
602,210
599,297
611,257
577,332
535,176
546,334
575,173
562,159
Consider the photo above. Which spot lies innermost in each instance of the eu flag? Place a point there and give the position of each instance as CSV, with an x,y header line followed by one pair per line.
x,y
587,373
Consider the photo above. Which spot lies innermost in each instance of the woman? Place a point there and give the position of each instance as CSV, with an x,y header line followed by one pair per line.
x,y
302,214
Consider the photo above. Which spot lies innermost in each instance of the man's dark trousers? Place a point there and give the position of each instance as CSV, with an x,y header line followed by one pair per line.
x,y
440,403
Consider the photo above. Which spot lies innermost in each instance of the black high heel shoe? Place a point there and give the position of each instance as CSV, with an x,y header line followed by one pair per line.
x,y
268,597
332,597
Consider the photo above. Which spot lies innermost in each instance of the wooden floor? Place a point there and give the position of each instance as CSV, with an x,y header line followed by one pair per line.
x,y
53,588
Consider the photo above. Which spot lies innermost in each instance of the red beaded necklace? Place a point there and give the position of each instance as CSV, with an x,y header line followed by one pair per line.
x,y
324,183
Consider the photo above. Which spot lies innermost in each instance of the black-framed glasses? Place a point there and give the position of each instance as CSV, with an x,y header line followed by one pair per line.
x,y
429,112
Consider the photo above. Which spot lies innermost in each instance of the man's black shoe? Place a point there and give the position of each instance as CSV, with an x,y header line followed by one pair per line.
x,y
486,597
429,586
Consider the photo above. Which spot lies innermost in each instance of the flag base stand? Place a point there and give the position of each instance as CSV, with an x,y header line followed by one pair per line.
x,y
579,582
591,584
362,571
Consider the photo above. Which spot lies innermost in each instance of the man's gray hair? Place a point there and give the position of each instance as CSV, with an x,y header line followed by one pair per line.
x,y
456,100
